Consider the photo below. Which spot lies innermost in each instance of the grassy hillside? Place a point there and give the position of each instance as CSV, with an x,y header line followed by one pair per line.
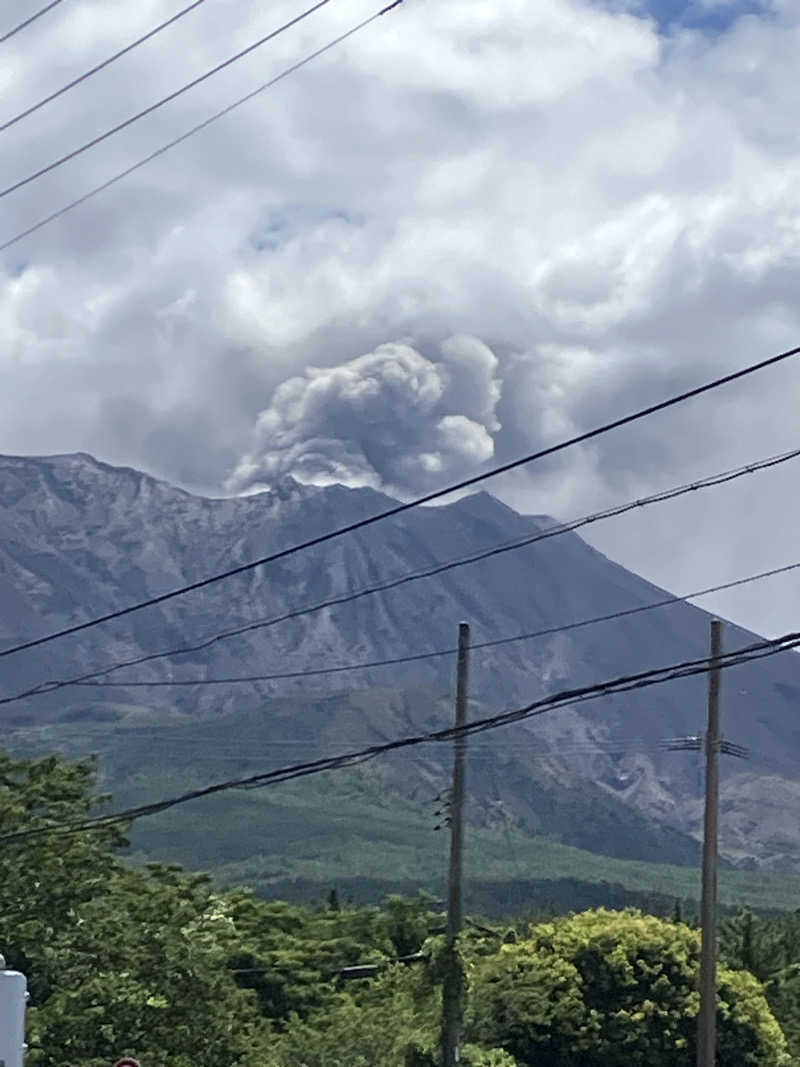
x,y
349,830
513,780
299,840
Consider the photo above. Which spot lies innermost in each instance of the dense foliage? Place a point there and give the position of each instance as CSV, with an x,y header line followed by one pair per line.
x,y
770,950
118,961
161,965
368,839
609,989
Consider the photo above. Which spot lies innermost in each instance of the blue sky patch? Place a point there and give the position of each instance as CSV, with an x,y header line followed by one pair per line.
x,y
280,225
708,17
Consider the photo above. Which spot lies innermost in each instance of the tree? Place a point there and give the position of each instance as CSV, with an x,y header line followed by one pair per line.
x,y
409,921
43,880
118,961
614,989
160,965
770,950
290,955
391,1021
474,1056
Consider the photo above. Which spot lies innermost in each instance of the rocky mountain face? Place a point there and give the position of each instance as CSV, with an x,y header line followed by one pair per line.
x,y
79,538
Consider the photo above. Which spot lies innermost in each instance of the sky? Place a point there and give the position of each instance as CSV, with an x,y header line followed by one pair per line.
x,y
466,233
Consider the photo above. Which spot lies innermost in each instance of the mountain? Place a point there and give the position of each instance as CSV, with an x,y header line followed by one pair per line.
x,y
79,538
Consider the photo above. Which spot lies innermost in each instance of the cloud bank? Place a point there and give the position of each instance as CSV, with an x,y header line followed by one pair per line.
x,y
470,231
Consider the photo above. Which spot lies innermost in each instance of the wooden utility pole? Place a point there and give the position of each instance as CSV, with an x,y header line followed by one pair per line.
x,y
452,986
707,1019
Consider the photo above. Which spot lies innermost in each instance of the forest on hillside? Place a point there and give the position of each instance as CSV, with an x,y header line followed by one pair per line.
x,y
161,964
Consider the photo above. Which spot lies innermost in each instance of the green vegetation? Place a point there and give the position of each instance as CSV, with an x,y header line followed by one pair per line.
x,y
771,952
297,839
609,989
162,965
353,830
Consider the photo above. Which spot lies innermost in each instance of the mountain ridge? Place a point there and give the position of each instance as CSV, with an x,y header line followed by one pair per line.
x,y
79,537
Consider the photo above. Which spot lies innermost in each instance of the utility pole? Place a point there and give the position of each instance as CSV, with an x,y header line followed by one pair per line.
x,y
452,987
712,744
707,1019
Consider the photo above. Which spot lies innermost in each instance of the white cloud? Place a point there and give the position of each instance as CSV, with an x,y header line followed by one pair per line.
x,y
614,213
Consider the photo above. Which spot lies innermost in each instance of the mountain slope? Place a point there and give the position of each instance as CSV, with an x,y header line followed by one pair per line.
x,y
79,538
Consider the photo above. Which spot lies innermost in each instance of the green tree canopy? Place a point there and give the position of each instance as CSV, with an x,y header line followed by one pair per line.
x,y
614,989
162,966
769,949
118,961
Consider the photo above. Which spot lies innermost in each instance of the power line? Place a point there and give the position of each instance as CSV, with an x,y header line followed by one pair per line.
x,y
476,647
229,753
29,20
400,508
626,683
160,103
100,66
541,535
547,755
157,731
233,755
200,126
408,506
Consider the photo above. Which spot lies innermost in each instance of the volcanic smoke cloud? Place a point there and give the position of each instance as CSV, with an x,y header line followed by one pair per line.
x,y
392,419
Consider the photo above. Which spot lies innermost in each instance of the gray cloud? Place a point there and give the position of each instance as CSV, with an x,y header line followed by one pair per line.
x,y
612,212
389,419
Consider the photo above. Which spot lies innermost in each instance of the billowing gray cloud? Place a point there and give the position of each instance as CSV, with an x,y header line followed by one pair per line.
x,y
612,211
390,419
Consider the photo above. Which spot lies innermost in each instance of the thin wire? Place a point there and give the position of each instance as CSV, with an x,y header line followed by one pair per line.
x,y
608,746
31,18
230,750
551,753
100,66
160,103
541,535
196,129
400,508
546,755
626,683
478,646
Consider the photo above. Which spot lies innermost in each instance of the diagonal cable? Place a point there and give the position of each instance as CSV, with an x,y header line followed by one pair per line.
x,y
394,583
99,66
28,21
626,683
56,163
401,508
477,647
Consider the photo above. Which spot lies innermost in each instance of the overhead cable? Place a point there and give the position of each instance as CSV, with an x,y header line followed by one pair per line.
x,y
27,22
53,685
400,508
361,665
626,683
99,66
160,103
196,129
